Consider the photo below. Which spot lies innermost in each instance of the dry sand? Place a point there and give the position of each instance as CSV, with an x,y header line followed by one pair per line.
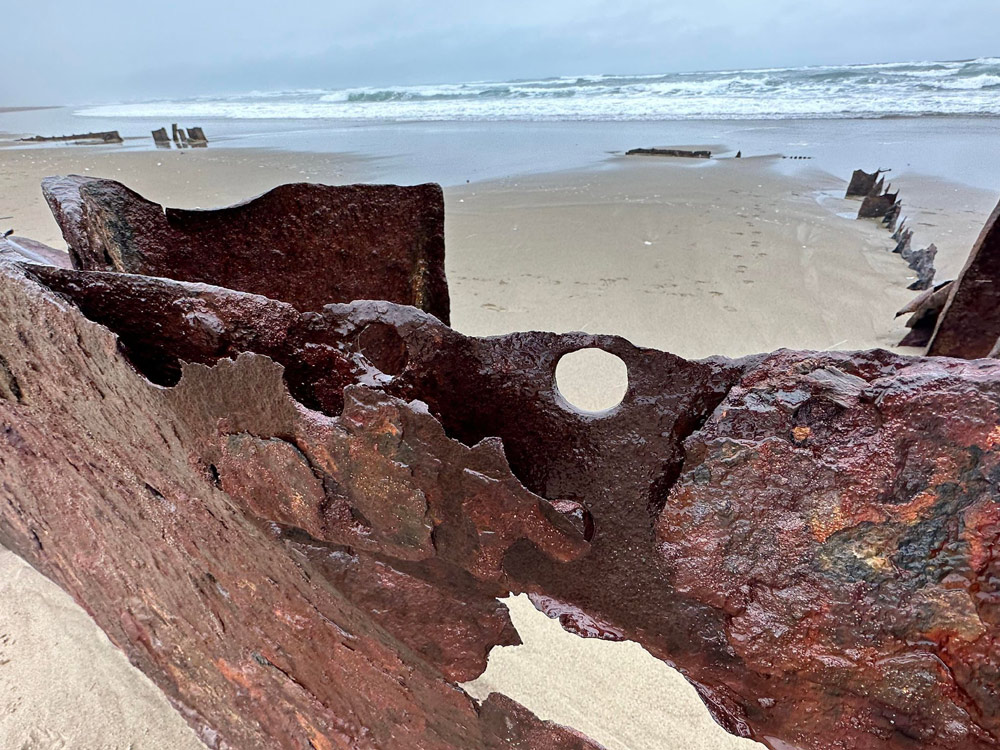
x,y
726,257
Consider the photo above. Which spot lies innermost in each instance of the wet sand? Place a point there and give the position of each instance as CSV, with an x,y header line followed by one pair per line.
x,y
725,257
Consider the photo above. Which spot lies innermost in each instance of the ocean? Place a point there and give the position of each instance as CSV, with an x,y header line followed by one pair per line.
x,y
935,118
967,88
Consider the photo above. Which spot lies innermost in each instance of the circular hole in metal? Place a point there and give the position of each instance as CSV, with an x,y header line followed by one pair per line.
x,y
382,345
591,380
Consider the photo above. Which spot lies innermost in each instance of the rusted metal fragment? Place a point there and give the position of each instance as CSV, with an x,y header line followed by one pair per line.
x,y
903,242
809,537
13,247
921,261
274,610
924,310
308,245
892,216
877,206
862,183
969,325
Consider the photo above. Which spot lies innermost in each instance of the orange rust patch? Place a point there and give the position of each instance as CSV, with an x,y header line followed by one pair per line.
x,y
316,738
982,523
912,511
993,438
801,433
824,527
232,674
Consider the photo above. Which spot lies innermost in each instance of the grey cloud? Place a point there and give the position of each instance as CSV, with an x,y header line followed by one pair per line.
x,y
71,52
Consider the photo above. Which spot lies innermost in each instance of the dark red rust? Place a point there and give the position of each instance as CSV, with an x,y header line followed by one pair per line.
x,y
808,537
304,244
969,324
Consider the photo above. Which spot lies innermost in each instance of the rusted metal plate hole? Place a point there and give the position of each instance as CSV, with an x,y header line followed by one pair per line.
x,y
591,380
383,347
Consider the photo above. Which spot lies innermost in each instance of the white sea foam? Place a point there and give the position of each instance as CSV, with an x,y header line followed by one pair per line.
x,y
875,90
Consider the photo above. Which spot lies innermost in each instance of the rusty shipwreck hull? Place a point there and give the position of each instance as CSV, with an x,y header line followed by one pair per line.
x,y
297,521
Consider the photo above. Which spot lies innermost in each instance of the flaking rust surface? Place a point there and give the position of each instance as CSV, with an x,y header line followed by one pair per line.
x,y
305,244
300,534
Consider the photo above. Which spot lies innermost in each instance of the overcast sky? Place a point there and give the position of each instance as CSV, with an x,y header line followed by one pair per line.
x,y
80,51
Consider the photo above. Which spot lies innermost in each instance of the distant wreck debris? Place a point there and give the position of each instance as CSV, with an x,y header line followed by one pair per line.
x,y
891,216
108,136
924,311
903,242
969,324
161,139
669,152
194,137
296,517
862,183
921,261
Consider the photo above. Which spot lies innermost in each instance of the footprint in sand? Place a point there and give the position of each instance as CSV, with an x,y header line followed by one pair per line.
x,y
5,642
44,739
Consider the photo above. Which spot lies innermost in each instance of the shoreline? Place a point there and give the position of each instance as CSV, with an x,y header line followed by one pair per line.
x,y
963,149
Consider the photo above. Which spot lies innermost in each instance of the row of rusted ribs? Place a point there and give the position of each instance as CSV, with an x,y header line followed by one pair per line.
x,y
878,203
295,511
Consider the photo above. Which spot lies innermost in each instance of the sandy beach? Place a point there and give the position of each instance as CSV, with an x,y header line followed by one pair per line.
x,y
729,256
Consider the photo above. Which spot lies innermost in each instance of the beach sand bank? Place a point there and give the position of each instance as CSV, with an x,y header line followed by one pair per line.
x,y
725,257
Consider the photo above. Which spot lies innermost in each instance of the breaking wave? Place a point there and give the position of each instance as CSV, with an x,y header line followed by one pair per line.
x,y
970,87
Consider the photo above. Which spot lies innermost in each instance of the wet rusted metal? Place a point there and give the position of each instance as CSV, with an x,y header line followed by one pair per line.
x,y
311,513
308,245
969,324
